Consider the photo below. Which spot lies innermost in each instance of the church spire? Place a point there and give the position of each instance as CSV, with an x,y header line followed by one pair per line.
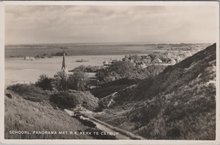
x,y
63,68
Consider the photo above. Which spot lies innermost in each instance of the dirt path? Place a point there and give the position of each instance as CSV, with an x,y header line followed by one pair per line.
x,y
104,127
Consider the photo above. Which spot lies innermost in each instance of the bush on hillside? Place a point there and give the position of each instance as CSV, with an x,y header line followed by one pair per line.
x,y
80,68
119,69
126,69
60,81
77,81
44,82
111,87
30,92
72,99
86,68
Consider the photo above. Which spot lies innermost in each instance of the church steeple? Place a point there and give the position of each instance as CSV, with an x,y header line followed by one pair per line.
x,y
63,68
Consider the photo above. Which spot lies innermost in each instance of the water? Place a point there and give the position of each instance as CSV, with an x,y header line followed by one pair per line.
x,y
18,70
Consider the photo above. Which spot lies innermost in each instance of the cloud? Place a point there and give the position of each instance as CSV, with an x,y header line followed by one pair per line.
x,y
54,24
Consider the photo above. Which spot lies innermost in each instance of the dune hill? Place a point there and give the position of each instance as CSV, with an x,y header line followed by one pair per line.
x,y
25,115
179,103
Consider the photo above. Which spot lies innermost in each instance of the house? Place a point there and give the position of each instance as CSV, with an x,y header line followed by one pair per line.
x,y
29,58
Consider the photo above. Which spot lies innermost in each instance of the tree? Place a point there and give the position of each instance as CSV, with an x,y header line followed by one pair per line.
x,y
78,80
60,81
123,68
44,82
117,70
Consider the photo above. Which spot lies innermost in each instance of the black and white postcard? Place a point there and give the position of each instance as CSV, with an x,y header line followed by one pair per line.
x,y
110,72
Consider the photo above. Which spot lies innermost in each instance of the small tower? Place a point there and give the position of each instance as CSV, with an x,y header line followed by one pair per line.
x,y
63,68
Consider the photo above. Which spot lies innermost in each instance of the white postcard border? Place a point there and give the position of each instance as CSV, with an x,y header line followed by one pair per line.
x,y
127,142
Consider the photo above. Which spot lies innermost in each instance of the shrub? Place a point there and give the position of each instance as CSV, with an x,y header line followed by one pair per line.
x,y
80,68
74,98
44,82
123,68
64,100
60,81
111,87
77,81
86,68
29,92
59,53
151,111
92,68
127,69
118,70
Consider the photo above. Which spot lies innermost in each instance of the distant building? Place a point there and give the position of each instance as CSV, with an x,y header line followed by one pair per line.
x,y
29,58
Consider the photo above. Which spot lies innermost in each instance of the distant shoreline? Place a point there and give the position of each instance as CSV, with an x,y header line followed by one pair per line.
x,y
83,55
50,50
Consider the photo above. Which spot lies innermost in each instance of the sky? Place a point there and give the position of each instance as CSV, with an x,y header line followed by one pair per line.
x,y
106,24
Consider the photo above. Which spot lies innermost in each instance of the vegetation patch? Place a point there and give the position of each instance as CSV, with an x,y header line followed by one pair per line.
x,y
175,104
72,99
30,92
40,121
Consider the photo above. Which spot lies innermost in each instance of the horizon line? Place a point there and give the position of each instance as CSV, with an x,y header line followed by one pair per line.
x,y
109,43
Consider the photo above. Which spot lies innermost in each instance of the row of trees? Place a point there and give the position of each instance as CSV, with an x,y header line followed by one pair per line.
x,y
126,69
79,79
61,81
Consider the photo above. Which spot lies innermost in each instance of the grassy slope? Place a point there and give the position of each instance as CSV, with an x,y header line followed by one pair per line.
x,y
179,103
25,115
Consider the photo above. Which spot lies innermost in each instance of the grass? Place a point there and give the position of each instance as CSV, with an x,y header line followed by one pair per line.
x,y
179,103
111,87
30,92
25,115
